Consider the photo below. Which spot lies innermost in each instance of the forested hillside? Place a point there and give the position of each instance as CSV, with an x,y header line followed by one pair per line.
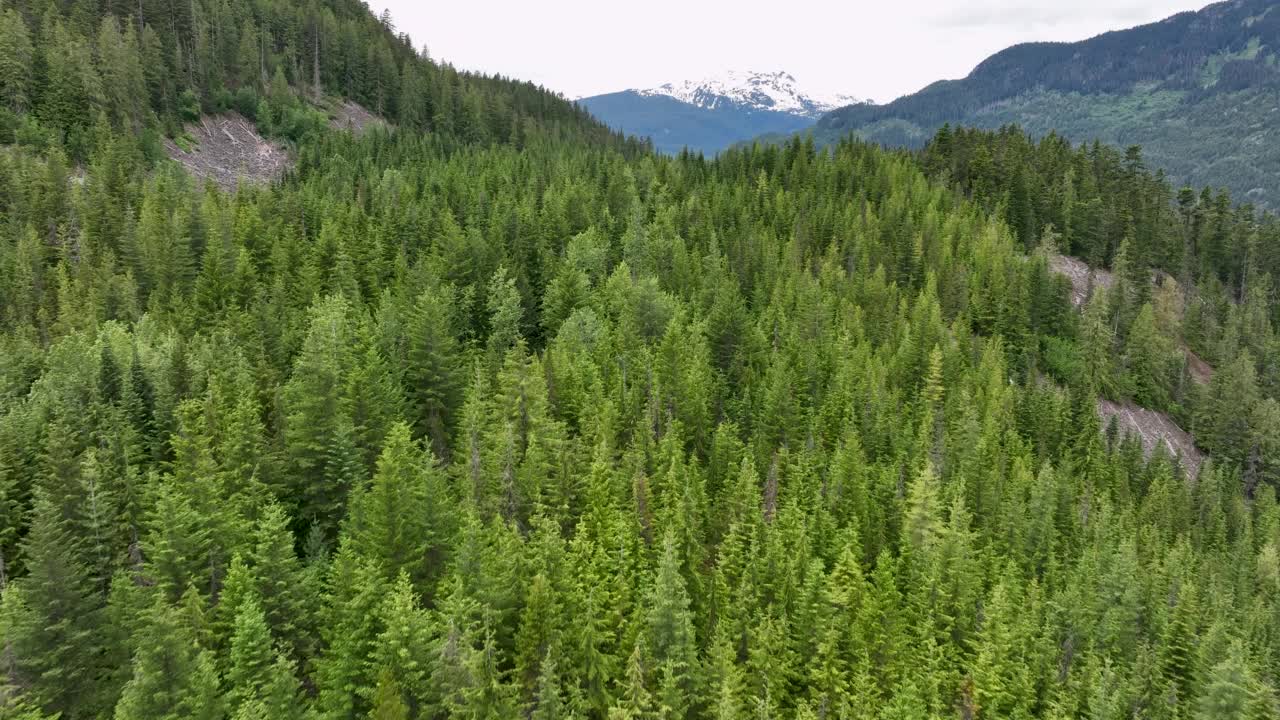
x,y
1198,91
74,72
1193,280
520,419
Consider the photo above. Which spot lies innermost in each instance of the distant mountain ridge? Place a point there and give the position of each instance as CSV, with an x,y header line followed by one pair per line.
x,y
1200,91
712,113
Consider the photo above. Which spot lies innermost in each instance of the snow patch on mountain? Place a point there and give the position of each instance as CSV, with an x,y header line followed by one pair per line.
x,y
771,91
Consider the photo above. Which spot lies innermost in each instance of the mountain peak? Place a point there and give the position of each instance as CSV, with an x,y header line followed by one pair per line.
x,y
775,91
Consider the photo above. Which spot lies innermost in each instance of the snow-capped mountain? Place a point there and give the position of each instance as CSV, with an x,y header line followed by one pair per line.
x,y
711,114
770,91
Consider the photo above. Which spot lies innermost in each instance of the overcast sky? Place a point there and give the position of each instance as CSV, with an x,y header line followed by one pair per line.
x,y
876,49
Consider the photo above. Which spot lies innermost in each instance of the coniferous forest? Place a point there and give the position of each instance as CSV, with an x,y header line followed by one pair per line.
x,y
489,412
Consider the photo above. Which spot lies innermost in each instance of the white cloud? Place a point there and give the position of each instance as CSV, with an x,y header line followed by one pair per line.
x,y
1044,13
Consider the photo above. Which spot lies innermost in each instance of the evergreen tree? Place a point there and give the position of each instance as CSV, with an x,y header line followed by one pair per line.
x,y
742,436
672,644
58,643
395,521
172,675
318,430
431,368
1229,692
17,61
1147,355
258,680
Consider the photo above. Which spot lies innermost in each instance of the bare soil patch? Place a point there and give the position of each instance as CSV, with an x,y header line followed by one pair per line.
x,y
1201,371
1083,278
229,151
347,115
1153,429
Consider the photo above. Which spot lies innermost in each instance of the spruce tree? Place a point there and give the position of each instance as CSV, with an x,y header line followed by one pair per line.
x,y
172,675
59,645
16,61
395,521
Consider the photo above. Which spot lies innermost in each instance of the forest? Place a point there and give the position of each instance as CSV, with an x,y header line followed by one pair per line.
x,y
491,413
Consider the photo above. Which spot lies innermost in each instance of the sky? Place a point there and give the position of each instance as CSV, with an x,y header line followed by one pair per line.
x,y
870,49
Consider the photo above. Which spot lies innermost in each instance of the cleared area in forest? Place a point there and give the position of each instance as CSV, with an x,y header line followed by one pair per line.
x,y
1201,371
347,115
1153,429
226,149
1083,278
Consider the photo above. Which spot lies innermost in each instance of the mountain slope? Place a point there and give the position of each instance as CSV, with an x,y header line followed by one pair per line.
x,y
1199,91
709,115
65,79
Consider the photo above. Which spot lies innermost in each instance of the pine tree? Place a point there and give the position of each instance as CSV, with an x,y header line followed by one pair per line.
x,y
595,666
539,628
319,435
548,703
672,644
281,583
490,697
257,677
403,651
1001,674
180,548
351,625
636,702
377,402
505,314
727,682
123,88
1147,354
388,704
1225,413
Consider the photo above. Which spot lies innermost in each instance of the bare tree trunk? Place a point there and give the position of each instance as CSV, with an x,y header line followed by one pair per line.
x,y
195,45
315,63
